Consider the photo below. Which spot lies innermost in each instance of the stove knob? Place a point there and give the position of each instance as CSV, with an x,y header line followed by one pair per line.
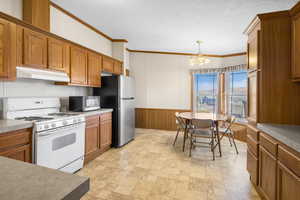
x,y
53,125
65,123
74,121
46,126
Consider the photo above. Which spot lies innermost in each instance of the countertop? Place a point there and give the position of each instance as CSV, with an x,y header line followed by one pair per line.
x,y
95,112
24,181
287,134
7,125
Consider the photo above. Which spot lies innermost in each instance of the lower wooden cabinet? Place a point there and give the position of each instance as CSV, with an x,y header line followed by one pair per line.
x,y
105,132
252,167
288,184
17,145
267,174
98,135
276,170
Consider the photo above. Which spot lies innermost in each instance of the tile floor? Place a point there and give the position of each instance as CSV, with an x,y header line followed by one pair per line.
x,y
150,168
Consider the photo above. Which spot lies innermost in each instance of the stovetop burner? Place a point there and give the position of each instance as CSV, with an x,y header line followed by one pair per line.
x,y
34,118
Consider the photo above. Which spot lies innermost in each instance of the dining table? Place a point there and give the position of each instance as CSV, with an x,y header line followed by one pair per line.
x,y
216,118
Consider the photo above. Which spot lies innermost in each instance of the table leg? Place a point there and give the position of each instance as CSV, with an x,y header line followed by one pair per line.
x,y
218,138
185,134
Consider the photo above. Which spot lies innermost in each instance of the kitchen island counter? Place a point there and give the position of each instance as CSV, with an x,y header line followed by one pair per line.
x,y
24,181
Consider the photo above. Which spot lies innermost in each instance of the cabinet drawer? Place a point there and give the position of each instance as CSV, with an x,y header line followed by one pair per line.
x,y
253,133
12,139
268,143
92,120
252,145
290,160
106,116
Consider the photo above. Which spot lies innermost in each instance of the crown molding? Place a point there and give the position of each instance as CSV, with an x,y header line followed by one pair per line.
x,y
187,54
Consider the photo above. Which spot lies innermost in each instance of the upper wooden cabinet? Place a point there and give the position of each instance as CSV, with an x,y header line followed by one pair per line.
x,y
94,69
58,55
252,96
7,50
253,47
108,64
35,49
296,46
37,13
78,65
118,69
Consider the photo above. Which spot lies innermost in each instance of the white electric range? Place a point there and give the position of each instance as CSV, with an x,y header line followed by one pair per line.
x,y
58,138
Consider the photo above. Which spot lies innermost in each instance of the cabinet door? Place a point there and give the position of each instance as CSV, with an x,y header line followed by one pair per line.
x,y
7,50
253,50
94,69
118,68
288,184
105,133
91,138
35,49
252,167
57,55
21,153
78,65
108,65
252,96
296,47
267,174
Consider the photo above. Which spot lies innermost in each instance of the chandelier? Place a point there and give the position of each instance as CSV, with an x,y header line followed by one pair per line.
x,y
199,59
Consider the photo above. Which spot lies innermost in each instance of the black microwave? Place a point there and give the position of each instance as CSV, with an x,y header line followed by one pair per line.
x,y
84,103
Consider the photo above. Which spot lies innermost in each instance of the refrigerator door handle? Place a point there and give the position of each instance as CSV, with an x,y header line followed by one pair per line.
x,y
129,98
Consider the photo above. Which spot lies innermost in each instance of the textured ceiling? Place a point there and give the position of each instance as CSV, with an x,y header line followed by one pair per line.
x,y
175,25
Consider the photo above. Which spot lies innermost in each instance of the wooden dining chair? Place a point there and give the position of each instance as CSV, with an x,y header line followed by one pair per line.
x,y
226,130
180,123
203,129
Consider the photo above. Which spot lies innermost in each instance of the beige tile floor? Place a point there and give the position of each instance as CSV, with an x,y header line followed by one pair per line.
x,y
150,168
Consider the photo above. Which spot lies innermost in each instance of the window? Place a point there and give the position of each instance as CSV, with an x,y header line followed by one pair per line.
x,y
221,93
206,92
237,99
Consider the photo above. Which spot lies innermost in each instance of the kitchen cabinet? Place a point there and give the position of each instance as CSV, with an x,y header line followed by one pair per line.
x,y
296,45
78,65
252,154
35,49
118,69
105,130
7,50
253,47
267,174
92,137
16,145
252,96
37,13
288,184
108,64
271,92
58,55
94,69
98,135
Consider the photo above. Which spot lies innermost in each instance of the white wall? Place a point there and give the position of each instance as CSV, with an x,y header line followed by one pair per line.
x,y
28,87
164,81
66,27
12,7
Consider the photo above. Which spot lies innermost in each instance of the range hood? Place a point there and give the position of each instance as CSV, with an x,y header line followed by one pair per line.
x,y
25,72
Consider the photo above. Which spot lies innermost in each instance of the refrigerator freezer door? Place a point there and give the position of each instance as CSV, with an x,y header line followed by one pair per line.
x,y
127,121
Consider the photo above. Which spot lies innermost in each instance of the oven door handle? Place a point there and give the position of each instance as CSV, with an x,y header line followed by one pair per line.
x,y
46,133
